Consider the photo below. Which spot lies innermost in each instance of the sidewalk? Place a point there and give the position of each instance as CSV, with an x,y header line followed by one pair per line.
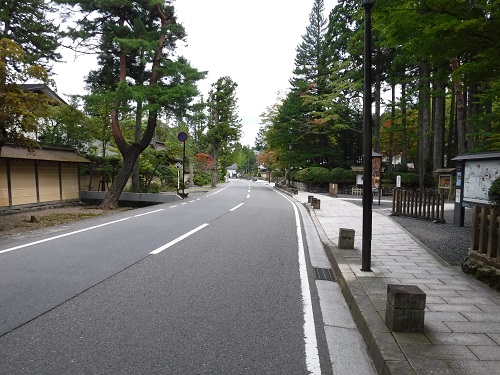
x,y
462,316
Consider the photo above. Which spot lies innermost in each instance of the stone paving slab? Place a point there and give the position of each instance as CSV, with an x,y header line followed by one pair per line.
x,y
462,316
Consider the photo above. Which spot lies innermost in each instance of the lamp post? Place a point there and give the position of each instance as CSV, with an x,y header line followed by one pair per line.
x,y
367,141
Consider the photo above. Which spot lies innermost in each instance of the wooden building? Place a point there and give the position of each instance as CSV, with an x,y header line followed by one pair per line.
x,y
41,176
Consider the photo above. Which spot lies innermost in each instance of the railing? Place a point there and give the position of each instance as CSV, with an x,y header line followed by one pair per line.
x,y
428,205
486,231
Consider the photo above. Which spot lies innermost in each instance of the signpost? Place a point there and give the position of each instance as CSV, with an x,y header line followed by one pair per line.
x,y
182,137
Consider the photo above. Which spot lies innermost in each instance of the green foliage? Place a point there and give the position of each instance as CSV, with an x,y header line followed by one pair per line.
x,y
278,173
494,192
202,178
154,188
224,124
313,175
408,180
21,109
342,176
29,24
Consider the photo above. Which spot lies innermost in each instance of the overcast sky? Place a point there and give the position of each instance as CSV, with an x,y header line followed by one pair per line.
x,y
253,42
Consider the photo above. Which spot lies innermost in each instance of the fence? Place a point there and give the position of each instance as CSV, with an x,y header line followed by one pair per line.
x,y
485,231
427,205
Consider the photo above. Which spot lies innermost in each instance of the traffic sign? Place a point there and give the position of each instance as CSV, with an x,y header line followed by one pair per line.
x,y
182,136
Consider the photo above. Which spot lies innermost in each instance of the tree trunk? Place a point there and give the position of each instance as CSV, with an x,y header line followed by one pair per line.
x,y
424,122
450,150
439,124
471,112
215,170
460,102
112,196
404,142
391,128
136,170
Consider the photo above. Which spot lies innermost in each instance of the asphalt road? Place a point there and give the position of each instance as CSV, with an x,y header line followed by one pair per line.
x,y
212,285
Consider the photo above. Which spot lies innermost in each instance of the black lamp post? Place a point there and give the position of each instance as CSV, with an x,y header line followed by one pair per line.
x,y
367,141
290,146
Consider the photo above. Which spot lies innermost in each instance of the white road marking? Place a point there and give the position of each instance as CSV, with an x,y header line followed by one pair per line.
x,y
238,206
218,191
311,342
178,239
150,212
63,235
248,196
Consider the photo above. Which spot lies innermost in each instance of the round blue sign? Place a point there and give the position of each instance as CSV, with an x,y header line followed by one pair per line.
x,y
182,136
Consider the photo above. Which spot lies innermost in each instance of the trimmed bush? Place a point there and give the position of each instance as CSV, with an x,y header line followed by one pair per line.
x,y
313,175
407,179
494,193
342,176
202,179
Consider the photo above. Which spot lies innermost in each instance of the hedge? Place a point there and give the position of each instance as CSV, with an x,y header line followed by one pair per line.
x,y
314,175
342,176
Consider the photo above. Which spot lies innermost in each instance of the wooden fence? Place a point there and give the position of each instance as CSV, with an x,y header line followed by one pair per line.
x,y
485,231
427,205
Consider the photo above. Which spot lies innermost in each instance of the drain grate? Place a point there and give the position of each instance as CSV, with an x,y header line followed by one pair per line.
x,y
323,274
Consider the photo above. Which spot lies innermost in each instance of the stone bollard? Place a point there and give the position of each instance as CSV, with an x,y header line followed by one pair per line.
x,y
316,203
310,199
346,238
405,308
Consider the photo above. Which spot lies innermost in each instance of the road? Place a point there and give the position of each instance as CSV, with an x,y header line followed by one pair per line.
x,y
220,284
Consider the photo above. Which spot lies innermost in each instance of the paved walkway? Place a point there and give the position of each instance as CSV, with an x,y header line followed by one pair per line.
x,y
462,316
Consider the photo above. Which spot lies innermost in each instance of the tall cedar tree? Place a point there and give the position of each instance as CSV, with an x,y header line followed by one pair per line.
x,y
224,124
135,38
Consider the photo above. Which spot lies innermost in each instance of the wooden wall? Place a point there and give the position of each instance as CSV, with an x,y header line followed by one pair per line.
x,y
25,182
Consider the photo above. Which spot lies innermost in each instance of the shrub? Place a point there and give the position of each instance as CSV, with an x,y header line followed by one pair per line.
x,y
407,179
154,188
202,178
494,193
314,175
342,176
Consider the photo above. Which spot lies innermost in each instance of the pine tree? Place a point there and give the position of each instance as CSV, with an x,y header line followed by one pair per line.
x,y
28,24
133,40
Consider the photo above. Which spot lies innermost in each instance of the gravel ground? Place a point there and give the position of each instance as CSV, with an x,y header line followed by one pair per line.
x,y
451,242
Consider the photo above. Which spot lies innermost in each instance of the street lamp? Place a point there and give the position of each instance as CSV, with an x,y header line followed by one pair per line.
x,y
290,146
367,141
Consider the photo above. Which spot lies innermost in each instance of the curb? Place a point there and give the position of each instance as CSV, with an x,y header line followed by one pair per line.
x,y
387,356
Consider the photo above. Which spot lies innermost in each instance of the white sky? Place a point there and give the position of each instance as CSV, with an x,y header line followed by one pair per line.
x,y
253,42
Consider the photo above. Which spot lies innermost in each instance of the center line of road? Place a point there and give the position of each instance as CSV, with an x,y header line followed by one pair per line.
x,y
238,206
178,239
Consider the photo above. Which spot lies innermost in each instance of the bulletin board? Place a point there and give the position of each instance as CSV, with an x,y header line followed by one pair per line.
x,y
478,177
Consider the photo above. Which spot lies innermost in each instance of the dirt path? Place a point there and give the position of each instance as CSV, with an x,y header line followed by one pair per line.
x,y
14,223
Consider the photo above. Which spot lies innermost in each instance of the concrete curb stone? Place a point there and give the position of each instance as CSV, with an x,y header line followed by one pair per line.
x,y
387,356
